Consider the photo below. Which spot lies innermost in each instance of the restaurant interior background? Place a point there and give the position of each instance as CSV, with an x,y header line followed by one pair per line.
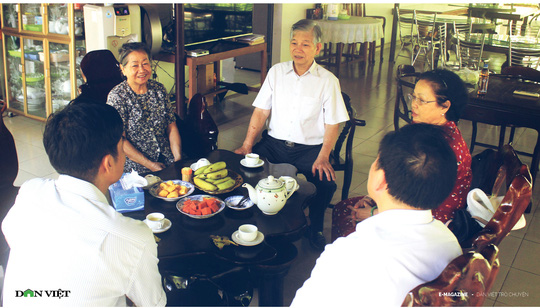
x,y
372,88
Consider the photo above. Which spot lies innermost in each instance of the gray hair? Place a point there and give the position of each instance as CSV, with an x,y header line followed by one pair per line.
x,y
308,25
127,48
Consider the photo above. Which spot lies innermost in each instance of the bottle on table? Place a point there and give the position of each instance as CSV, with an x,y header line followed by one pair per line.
x,y
483,80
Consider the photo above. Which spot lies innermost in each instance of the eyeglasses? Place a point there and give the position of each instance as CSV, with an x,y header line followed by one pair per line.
x,y
420,102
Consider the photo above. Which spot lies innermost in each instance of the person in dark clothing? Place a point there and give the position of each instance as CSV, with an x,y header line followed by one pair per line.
x,y
101,72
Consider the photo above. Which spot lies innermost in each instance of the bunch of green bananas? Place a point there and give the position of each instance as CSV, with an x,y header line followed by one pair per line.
x,y
213,177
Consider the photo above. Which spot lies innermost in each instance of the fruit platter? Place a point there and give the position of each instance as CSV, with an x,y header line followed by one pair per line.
x,y
216,179
171,190
200,206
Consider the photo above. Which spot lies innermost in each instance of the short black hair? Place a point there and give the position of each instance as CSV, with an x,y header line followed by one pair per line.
x,y
447,85
419,165
77,138
127,48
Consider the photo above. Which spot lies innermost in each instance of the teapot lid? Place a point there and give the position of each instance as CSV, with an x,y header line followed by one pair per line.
x,y
270,183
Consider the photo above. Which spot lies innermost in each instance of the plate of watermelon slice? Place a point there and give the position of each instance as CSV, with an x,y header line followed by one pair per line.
x,y
200,206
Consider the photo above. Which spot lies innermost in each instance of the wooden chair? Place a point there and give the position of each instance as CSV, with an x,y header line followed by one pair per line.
x,y
518,187
9,166
464,282
345,163
406,80
199,132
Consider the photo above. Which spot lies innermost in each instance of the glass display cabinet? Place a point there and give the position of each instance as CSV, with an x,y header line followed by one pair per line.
x,y
44,45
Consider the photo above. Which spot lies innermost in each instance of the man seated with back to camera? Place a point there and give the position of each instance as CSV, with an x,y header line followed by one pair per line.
x,y
304,105
63,234
403,246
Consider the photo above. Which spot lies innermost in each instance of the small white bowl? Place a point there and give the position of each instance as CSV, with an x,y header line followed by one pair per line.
x,y
232,202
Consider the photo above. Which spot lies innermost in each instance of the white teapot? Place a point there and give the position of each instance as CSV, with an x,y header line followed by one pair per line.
x,y
271,194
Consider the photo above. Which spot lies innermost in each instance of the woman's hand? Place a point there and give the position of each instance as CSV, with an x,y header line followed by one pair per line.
x,y
362,209
156,166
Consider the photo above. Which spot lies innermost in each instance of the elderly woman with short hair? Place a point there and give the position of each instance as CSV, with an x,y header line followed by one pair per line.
x,y
152,137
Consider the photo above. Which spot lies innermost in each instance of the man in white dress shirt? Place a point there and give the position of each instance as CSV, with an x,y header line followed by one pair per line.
x,y
304,105
402,247
69,247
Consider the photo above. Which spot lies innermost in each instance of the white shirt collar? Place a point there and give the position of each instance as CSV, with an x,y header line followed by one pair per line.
x,y
80,187
405,217
313,69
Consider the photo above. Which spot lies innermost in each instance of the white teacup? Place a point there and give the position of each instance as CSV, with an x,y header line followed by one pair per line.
x,y
155,220
252,159
247,232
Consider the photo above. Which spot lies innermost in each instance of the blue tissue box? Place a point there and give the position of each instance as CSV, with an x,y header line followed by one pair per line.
x,y
126,200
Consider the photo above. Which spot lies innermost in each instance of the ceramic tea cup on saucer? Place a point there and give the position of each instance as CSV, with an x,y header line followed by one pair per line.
x,y
252,159
155,221
247,232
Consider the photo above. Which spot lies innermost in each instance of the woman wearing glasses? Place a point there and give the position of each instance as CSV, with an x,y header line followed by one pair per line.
x,y
439,97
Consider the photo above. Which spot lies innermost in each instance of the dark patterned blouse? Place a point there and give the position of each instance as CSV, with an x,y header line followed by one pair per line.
x,y
146,118
458,197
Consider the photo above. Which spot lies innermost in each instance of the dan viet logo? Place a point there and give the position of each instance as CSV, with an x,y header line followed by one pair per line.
x,y
42,293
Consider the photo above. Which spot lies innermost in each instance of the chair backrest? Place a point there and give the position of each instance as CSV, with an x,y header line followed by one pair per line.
x,y
470,52
346,137
521,55
464,282
406,27
513,205
354,9
199,132
425,26
406,80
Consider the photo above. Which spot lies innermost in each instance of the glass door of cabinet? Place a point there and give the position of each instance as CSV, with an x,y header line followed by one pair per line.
x,y
60,75
32,20
58,18
11,15
14,91
34,74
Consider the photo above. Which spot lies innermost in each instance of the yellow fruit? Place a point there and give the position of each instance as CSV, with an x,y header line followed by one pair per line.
x,y
204,185
223,180
215,167
174,194
200,170
226,185
218,174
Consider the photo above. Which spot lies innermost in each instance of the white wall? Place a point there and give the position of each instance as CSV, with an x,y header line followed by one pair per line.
x,y
285,15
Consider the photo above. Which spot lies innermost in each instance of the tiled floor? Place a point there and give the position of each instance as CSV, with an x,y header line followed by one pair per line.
x,y
373,94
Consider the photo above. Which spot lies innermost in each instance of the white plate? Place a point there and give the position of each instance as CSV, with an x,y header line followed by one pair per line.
x,y
256,241
243,163
154,190
232,203
166,226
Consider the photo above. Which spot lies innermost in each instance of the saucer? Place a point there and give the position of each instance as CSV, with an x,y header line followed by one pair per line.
x,y
256,241
243,163
166,226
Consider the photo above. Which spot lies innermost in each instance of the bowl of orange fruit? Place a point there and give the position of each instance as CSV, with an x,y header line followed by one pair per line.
x,y
172,190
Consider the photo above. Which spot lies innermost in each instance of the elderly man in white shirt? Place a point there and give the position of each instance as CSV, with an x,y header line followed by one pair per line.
x,y
69,247
304,103
402,247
